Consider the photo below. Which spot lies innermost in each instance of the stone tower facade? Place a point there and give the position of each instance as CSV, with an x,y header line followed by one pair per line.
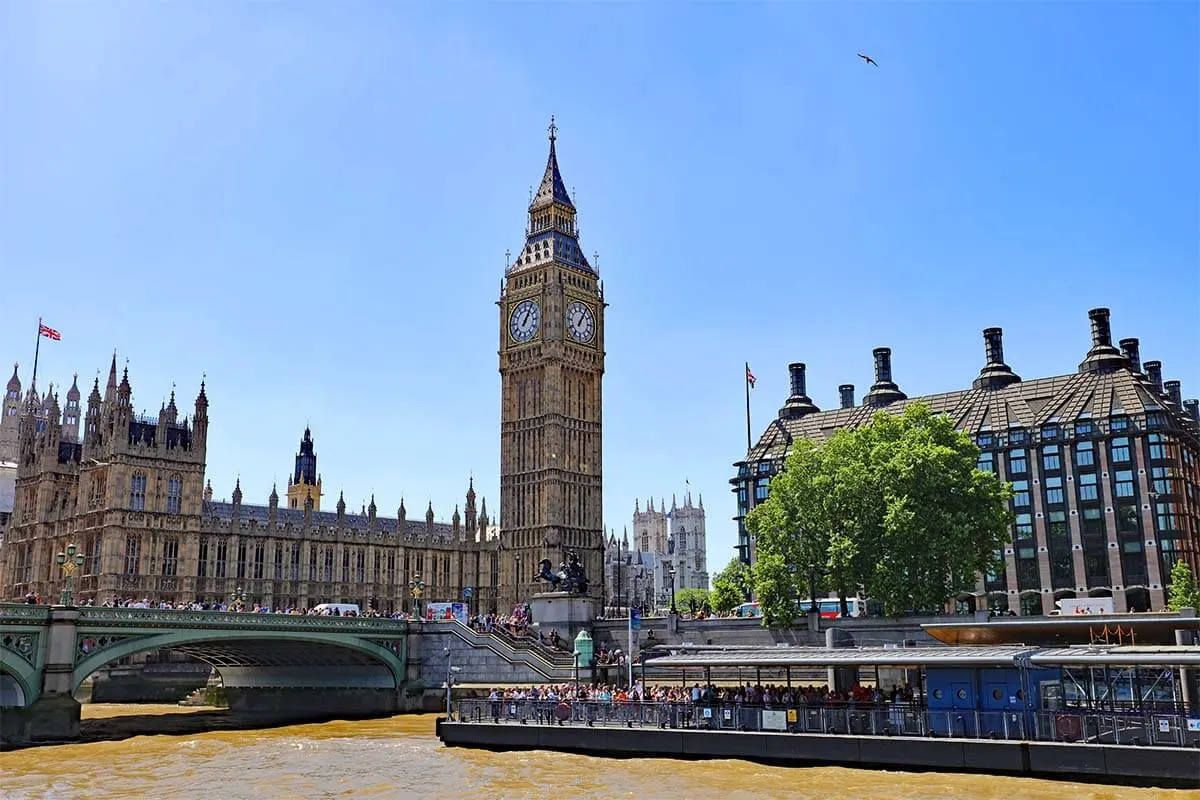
x,y
10,419
71,415
689,548
304,484
551,370
128,495
650,529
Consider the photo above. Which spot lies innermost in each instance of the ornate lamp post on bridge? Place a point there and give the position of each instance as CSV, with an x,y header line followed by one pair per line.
x,y
671,575
415,587
236,599
68,562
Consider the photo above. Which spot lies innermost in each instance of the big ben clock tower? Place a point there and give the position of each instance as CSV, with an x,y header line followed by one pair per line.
x,y
551,368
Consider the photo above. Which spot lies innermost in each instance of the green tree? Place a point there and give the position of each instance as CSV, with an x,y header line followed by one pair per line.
x,y
731,587
1184,593
896,508
792,533
691,601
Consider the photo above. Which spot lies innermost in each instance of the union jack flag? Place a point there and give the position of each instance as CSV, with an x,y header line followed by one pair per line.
x,y
49,333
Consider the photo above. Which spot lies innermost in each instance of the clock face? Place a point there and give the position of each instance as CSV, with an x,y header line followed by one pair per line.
x,y
581,324
523,322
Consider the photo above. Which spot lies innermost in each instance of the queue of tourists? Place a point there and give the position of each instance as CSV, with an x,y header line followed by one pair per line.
x,y
767,696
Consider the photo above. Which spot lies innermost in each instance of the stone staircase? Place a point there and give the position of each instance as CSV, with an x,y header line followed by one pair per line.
x,y
540,662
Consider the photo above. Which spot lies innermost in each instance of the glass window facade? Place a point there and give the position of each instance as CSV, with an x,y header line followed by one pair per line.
x,y
1088,493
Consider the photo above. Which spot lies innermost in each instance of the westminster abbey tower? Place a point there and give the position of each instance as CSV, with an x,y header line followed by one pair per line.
x,y
551,368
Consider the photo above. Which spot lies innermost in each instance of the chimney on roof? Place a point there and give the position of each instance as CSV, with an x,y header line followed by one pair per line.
x,y
1101,331
846,391
799,404
883,364
1132,351
995,373
1154,373
1174,392
1193,409
883,391
1103,357
796,373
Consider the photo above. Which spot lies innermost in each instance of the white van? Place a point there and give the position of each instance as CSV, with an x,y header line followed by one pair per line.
x,y
341,608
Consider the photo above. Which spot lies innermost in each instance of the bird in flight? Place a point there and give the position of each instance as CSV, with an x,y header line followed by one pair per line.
x,y
867,58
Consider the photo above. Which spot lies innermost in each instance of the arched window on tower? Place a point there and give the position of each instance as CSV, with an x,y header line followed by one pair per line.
x,y
170,559
133,552
174,494
137,493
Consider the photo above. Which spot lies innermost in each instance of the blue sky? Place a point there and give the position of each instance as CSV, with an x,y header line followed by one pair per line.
x,y
310,202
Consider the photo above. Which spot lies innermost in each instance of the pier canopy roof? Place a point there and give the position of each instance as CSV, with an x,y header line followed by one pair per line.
x,y
1147,628
936,656
1106,656
779,657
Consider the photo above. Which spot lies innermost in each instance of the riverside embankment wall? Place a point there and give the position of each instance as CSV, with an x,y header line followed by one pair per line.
x,y
1114,764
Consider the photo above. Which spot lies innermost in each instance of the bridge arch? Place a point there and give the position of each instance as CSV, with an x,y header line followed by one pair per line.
x,y
297,658
26,679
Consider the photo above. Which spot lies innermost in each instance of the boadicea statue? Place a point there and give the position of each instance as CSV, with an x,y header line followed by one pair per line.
x,y
569,578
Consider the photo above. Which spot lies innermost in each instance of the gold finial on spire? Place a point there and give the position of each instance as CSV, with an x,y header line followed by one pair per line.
x,y
553,129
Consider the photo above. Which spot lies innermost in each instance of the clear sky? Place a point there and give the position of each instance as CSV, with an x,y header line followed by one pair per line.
x,y
311,202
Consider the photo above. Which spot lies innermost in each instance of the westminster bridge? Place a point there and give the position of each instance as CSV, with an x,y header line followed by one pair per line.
x,y
272,666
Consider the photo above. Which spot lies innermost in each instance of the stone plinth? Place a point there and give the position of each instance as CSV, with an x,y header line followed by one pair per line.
x,y
563,612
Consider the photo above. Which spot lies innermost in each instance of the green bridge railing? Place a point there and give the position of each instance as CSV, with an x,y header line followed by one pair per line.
x,y
171,618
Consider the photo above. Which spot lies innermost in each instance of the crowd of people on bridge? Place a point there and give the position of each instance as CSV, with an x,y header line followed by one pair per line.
x,y
238,606
767,696
518,624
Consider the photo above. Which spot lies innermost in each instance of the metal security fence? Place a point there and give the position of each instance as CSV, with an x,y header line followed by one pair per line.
x,y
849,719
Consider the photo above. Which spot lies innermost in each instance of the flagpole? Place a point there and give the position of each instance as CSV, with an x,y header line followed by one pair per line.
x,y
36,350
747,379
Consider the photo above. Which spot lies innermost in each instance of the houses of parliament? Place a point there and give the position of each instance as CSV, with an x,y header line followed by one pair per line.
x,y
130,491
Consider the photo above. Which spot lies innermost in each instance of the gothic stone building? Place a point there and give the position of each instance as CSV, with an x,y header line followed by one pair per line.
x,y
662,538
128,494
551,369
1104,464
132,497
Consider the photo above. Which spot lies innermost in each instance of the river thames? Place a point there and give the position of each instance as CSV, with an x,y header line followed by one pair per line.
x,y
400,758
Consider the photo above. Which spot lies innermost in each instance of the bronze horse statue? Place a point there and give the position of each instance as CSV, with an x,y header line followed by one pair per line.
x,y
569,578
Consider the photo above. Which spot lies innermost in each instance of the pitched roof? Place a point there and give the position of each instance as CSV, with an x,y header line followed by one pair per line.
x,y
353,522
1063,399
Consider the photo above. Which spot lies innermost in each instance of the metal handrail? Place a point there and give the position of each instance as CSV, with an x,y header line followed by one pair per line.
x,y
527,656
556,656
909,719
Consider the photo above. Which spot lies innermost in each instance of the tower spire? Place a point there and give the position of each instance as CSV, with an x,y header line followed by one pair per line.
x,y
110,389
552,233
552,189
